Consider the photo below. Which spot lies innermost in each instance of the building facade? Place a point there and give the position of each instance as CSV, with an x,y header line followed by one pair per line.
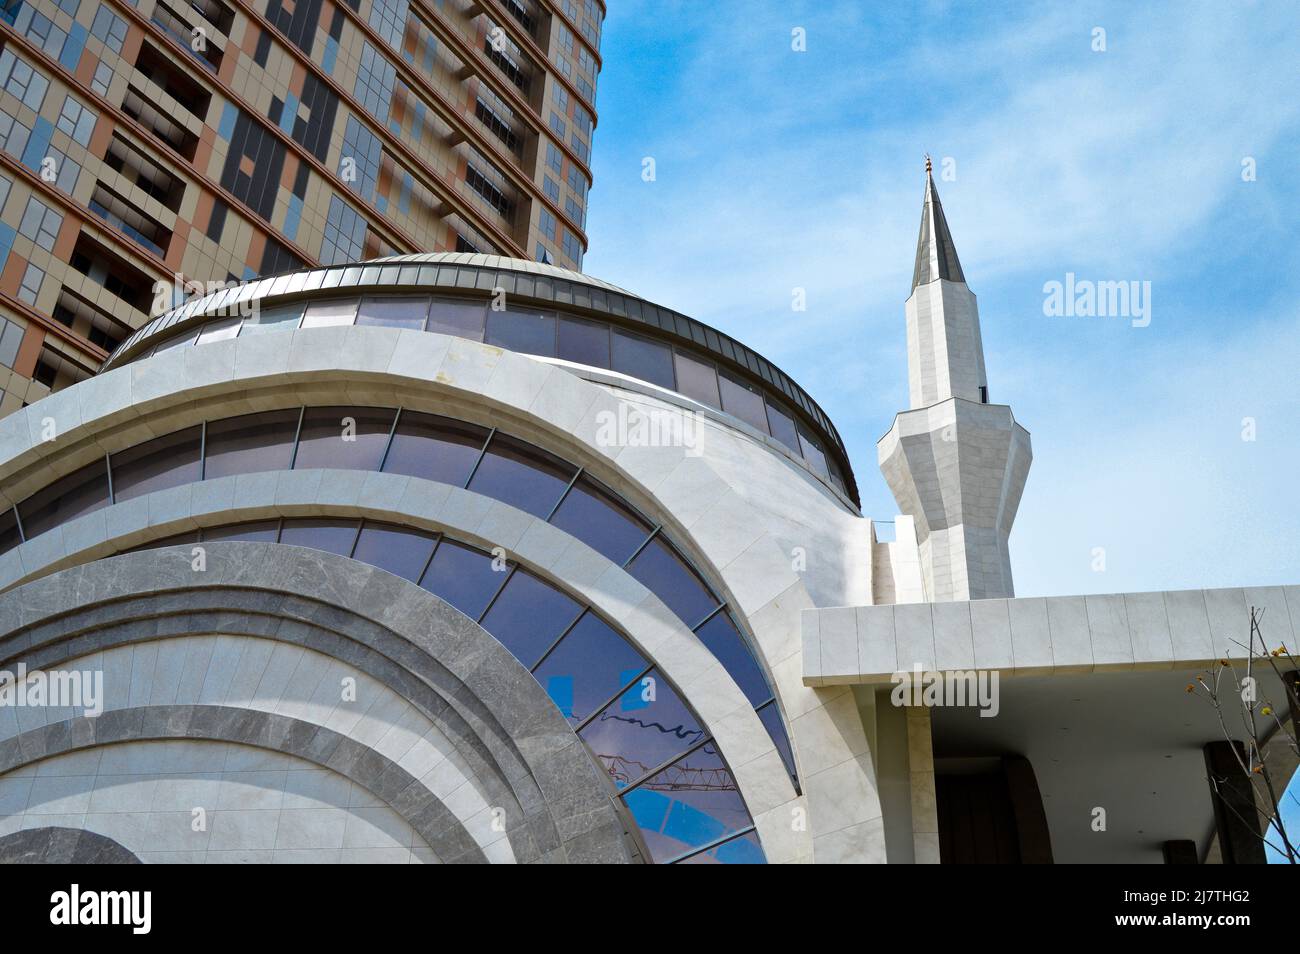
x,y
151,150
459,557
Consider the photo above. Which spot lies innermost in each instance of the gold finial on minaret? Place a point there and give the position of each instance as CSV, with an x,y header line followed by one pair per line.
x,y
927,163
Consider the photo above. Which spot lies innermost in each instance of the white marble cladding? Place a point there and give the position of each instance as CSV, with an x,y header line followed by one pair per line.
x,y
945,356
959,468
1045,635
200,801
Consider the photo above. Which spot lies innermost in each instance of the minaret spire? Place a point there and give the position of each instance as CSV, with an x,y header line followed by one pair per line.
x,y
955,462
936,255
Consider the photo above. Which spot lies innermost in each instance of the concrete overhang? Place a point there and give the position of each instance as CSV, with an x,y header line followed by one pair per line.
x,y
1091,689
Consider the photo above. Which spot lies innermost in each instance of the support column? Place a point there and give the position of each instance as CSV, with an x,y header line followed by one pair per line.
x,y
920,765
1235,817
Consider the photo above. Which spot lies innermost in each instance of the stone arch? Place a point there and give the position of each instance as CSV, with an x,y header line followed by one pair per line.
x,y
56,845
555,802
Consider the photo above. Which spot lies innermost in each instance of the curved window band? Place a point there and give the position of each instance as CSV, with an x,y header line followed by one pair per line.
x,y
430,447
543,332
680,791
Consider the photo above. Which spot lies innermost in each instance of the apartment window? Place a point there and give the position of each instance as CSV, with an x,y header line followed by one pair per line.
x,y
376,78
553,158
103,79
66,171
41,31
365,150
77,121
574,210
109,29
551,189
546,224
11,336
13,135
577,182
345,234
558,124
41,224
22,82
560,96
388,19
573,248
31,286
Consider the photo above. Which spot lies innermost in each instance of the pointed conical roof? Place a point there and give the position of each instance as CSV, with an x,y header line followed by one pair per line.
x,y
936,256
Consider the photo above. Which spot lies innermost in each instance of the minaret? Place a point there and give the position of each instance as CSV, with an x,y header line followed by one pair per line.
x,y
955,462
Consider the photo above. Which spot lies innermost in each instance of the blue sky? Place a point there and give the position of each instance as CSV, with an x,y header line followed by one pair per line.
x,y
779,169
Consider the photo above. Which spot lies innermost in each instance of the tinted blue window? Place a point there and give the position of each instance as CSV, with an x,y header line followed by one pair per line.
x,y
346,438
589,666
396,549
529,616
662,570
721,638
463,577
597,517
640,730
522,476
435,448
687,805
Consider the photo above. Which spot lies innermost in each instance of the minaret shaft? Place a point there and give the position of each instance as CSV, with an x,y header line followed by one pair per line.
x,y
954,462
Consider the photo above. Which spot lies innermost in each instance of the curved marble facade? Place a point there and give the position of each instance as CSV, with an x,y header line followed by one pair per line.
x,y
766,536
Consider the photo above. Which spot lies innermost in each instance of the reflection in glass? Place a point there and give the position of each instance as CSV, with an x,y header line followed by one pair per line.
x,y
522,330
812,452
332,536
782,428
522,475
250,443
347,438
589,665
584,342
643,358
640,730
279,318
742,401
770,716
324,314
219,330
661,569
457,316
80,492
167,461
255,531
394,313
741,850
435,448
463,577
696,379
529,616
398,550
688,805
600,519
720,636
